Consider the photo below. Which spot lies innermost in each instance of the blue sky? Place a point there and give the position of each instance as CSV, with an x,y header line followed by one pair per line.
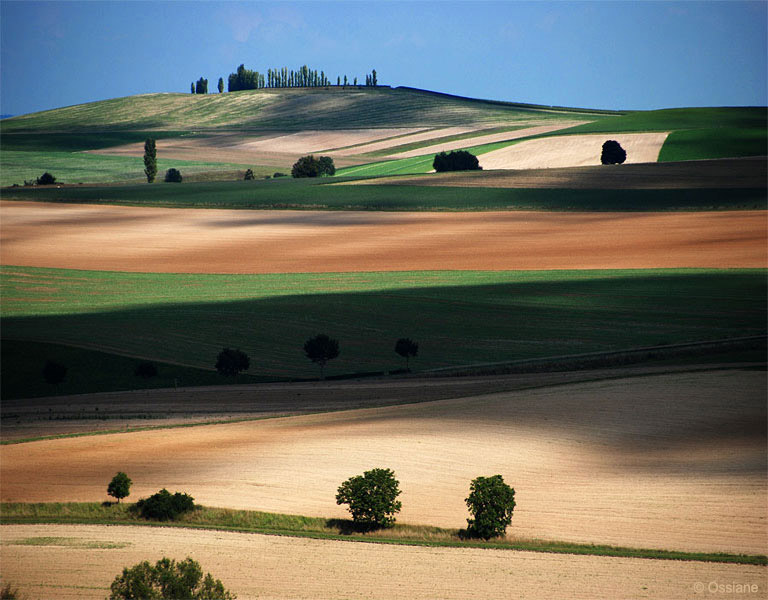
x,y
617,55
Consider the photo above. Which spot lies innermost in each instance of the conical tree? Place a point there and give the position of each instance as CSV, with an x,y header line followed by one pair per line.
x,y
150,160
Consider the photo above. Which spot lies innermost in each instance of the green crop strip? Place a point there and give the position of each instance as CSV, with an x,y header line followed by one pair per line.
x,y
330,529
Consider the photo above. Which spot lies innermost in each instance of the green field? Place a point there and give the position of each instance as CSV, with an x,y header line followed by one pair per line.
x,y
323,194
458,318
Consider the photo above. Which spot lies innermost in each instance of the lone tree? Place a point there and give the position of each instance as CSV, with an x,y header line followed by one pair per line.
x,y
406,348
372,498
249,176
320,349
168,579
456,160
613,153
491,502
54,372
220,85
309,166
120,486
230,362
46,179
150,160
173,176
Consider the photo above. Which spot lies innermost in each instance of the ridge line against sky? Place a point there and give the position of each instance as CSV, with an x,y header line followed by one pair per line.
x,y
605,55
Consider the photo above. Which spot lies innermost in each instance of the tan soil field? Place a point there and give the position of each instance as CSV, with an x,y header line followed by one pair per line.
x,y
487,139
573,151
204,241
670,461
272,568
305,142
727,173
422,136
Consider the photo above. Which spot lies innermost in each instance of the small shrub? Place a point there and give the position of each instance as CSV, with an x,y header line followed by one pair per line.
x,y
164,506
491,502
53,372
276,175
456,160
249,176
46,179
372,498
168,580
146,370
120,486
173,176
230,362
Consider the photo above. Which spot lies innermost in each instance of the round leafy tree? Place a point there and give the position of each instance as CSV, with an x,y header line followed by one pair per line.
x,y
406,348
230,362
168,579
320,349
120,486
173,176
613,153
53,372
456,160
491,502
372,498
46,179
309,166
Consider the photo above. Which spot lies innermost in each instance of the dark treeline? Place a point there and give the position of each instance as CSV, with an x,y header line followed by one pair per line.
x,y
246,79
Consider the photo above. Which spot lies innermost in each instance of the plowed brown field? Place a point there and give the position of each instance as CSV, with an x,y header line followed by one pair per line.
x,y
669,461
267,567
238,241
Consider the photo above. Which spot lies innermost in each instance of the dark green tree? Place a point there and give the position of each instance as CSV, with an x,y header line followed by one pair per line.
x,y
173,176
201,87
120,486
406,348
374,81
46,179
168,580
221,85
613,153
491,502
371,498
54,372
456,160
320,349
249,176
164,506
338,80
230,362
325,166
192,88
150,159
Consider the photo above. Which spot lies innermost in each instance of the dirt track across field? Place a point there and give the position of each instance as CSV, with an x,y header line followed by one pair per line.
x,y
238,241
669,461
270,567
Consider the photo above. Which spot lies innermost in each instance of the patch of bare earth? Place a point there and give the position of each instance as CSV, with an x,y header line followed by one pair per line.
x,y
270,567
726,173
573,151
670,461
236,241
487,139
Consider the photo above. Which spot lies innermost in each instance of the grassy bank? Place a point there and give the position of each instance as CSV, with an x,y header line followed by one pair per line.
x,y
335,529
314,194
458,317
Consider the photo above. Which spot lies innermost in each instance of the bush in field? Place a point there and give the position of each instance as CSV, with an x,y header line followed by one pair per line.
x,y
168,579
164,506
8,592
309,166
406,348
46,179
230,362
613,153
53,372
278,174
173,176
249,176
372,498
120,486
320,349
146,370
491,502
150,159
456,160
